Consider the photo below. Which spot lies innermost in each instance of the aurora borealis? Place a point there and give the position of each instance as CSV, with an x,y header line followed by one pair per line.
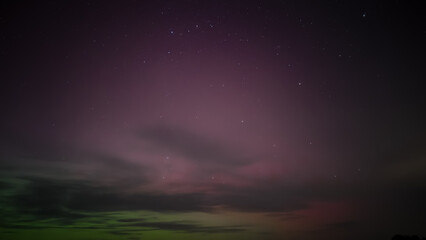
x,y
212,120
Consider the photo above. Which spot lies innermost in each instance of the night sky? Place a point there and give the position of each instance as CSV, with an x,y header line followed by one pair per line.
x,y
125,120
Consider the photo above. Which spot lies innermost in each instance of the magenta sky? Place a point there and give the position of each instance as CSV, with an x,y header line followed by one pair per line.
x,y
279,119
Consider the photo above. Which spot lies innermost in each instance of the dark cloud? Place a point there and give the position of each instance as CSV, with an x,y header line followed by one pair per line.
x,y
284,216
282,198
22,226
263,198
133,225
120,232
44,199
67,199
131,220
195,147
52,160
344,225
72,200
4,185
186,227
64,203
57,198
47,198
